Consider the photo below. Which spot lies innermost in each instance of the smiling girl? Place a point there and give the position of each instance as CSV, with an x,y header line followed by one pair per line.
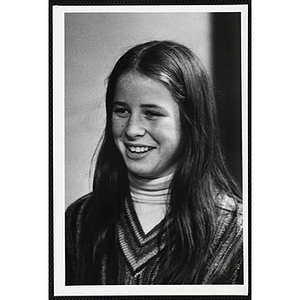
x,y
146,125
164,209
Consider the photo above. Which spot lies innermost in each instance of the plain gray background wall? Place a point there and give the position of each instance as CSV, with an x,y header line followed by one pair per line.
x,y
93,43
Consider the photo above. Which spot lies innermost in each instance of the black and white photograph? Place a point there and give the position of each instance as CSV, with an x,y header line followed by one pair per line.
x,y
150,150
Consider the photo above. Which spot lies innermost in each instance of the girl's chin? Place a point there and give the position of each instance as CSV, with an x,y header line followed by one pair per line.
x,y
147,173
142,173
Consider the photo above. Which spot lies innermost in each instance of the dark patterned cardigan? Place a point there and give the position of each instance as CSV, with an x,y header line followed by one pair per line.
x,y
139,255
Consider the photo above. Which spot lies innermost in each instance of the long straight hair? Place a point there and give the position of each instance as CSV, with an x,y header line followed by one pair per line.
x,y
200,175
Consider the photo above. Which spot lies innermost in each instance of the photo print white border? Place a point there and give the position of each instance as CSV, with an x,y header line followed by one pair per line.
x,y
60,289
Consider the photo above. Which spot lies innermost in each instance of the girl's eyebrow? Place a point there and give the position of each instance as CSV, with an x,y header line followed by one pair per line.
x,y
120,103
151,105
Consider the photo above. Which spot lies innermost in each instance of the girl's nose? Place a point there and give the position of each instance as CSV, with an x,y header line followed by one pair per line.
x,y
135,127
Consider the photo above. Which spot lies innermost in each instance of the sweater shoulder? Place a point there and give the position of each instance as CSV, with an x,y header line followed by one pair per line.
x,y
225,202
78,205
75,213
229,208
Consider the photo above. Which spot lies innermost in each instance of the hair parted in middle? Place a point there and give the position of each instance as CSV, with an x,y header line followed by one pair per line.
x,y
201,172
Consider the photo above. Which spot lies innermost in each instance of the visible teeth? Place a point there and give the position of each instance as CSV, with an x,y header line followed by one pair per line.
x,y
139,149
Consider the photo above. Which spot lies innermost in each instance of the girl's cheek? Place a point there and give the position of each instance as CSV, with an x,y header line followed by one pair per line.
x,y
118,126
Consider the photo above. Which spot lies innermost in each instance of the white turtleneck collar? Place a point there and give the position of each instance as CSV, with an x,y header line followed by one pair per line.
x,y
155,191
150,199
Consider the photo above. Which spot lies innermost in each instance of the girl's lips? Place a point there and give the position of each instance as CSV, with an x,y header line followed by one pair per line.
x,y
139,151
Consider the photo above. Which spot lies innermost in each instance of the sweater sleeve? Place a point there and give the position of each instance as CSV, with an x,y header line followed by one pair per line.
x,y
73,218
226,264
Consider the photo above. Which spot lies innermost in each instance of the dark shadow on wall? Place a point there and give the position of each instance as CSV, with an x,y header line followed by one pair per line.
x,y
226,73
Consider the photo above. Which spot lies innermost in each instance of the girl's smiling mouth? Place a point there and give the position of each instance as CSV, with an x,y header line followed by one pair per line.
x,y
139,149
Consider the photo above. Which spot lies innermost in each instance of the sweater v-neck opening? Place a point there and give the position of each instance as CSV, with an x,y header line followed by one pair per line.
x,y
138,225
138,248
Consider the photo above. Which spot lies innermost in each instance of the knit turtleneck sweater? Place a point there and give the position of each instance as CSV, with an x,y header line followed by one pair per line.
x,y
150,198
141,255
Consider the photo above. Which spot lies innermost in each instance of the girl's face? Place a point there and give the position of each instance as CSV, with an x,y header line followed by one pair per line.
x,y
146,125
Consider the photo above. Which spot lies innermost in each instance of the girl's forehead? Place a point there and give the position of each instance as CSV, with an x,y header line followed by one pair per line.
x,y
136,89
132,76
137,83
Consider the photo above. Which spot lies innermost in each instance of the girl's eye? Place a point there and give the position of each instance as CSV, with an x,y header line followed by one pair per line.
x,y
150,114
121,112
